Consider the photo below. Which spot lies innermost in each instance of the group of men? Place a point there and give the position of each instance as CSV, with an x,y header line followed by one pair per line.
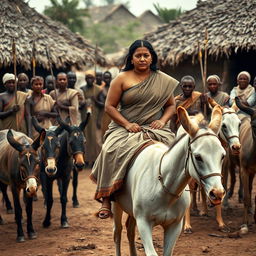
x,y
49,98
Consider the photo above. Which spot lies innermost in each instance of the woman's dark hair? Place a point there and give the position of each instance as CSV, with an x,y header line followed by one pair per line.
x,y
132,49
36,78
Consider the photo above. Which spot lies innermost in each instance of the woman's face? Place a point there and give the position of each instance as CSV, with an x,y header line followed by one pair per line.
x,y
37,86
213,85
243,81
141,59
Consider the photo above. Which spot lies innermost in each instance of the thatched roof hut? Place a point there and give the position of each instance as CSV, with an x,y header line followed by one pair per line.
x,y
25,25
231,29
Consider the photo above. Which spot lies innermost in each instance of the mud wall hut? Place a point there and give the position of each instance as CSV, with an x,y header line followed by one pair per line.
x,y
26,27
231,43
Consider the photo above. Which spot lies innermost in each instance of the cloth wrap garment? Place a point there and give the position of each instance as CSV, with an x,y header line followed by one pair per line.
x,y
141,104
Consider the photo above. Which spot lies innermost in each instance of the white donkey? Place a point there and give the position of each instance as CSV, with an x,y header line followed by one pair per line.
x,y
229,135
154,192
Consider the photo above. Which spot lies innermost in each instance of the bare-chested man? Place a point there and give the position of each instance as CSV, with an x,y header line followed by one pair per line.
x,y
12,106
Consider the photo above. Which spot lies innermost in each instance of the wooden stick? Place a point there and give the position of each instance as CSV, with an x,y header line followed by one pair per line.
x,y
205,57
34,59
50,66
15,78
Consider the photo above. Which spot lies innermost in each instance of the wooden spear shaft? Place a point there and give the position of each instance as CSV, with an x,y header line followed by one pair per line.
x,y
15,79
50,66
34,59
205,57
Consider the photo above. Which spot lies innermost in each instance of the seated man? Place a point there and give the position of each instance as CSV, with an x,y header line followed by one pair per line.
x,y
193,101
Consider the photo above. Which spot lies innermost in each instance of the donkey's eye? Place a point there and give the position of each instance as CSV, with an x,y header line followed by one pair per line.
x,y
224,126
222,158
198,158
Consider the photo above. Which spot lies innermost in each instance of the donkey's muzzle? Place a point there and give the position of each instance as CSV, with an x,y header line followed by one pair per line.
x,y
216,196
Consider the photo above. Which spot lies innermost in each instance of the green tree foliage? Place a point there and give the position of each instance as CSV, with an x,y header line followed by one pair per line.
x,y
109,2
112,38
68,13
167,14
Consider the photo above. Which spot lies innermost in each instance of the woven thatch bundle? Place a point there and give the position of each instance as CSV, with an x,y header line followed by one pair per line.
x,y
231,27
25,25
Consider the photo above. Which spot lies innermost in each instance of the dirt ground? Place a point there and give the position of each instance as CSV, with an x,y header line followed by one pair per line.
x,y
88,235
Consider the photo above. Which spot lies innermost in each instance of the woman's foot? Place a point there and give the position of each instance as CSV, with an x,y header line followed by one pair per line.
x,y
105,210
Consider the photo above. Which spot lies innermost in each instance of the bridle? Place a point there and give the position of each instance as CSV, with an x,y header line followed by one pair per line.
x,y
189,155
232,136
23,177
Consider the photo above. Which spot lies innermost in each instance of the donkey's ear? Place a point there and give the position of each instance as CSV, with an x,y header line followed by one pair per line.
x,y
216,119
39,140
64,125
85,122
246,109
190,127
14,143
36,125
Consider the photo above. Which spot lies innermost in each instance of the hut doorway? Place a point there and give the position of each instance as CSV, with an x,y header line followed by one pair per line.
x,y
242,61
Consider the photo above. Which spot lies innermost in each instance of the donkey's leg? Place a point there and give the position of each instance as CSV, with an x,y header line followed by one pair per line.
x,y
49,200
63,200
29,210
232,172
204,211
18,213
171,234
117,230
130,226
240,190
75,185
187,223
219,219
145,230
8,205
245,179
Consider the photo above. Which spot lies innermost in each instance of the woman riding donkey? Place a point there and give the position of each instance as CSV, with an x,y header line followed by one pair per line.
x,y
140,102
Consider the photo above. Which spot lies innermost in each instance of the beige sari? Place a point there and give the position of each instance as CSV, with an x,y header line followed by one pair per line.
x,y
69,97
46,103
142,104
12,122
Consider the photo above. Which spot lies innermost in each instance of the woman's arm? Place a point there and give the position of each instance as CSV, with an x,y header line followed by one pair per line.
x,y
169,111
112,101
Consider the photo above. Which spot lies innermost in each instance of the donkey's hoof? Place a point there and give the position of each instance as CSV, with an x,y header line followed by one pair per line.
x,y
32,235
64,224
188,231
20,239
76,204
224,229
46,224
10,211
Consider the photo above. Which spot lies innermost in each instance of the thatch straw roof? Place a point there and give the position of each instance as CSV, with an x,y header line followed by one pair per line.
x,y
22,23
231,27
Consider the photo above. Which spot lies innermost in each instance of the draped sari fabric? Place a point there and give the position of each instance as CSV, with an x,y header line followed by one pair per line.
x,y
12,122
142,104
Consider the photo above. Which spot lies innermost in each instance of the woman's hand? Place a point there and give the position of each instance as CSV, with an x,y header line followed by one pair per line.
x,y
133,127
157,124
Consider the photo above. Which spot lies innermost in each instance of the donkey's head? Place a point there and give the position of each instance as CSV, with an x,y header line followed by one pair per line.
x,y
50,148
76,141
28,161
230,129
205,153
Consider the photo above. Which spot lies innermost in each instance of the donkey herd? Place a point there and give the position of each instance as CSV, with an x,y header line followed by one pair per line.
x,y
204,153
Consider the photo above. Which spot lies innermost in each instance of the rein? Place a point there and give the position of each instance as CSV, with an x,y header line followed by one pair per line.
x,y
189,154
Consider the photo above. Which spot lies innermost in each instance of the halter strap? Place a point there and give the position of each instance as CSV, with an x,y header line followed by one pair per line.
x,y
189,154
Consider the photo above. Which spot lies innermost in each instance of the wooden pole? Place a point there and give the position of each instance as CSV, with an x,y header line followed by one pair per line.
x,y
34,59
205,57
50,66
15,78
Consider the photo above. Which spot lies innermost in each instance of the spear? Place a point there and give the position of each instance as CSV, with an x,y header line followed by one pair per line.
x,y
205,57
15,77
34,59
50,66
95,58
